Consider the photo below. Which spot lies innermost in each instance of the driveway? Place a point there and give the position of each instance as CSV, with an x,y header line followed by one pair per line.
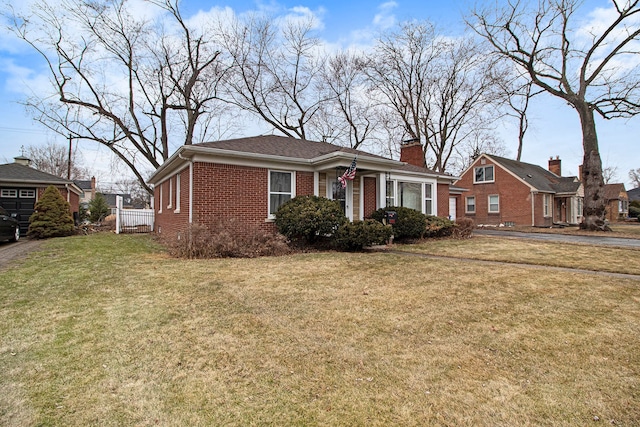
x,y
600,239
12,252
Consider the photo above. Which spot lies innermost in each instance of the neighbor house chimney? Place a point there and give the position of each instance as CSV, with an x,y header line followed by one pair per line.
x,y
411,153
93,187
554,165
22,160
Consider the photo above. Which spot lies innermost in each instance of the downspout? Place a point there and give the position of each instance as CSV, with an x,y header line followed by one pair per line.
x,y
190,187
533,208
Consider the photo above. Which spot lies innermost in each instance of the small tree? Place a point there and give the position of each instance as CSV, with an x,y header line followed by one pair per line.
x,y
52,216
98,208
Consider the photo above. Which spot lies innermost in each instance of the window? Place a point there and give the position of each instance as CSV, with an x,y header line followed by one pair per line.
x,y
391,195
470,206
410,195
169,206
494,203
177,193
547,205
280,189
8,193
339,194
483,174
428,199
27,194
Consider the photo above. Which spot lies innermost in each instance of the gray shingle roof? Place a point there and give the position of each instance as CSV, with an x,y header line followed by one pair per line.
x,y
634,194
14,172
539,177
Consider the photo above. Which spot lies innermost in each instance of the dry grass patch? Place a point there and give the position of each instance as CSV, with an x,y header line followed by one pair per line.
x,y
629,230
614,260
106,330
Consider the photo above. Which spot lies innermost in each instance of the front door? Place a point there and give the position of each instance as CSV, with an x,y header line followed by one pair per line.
x,y
341,195
452,208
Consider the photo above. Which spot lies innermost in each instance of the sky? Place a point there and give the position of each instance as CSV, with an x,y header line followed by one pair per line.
x,y
554,126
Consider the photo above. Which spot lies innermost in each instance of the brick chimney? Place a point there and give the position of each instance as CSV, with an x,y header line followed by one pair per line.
x,y
555,165
411,153
93,187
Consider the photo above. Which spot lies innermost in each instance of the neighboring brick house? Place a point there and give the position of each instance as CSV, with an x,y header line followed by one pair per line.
x,y
21,187
508,192
240,183
617,202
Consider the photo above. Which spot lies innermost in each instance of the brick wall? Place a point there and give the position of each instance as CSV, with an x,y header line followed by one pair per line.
x,y
515,199
370,191
443,200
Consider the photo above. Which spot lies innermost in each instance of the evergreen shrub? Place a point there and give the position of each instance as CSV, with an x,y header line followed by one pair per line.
x,y
308,219
354,236
52,216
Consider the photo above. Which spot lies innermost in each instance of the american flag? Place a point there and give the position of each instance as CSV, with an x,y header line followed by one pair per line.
x,y
349,174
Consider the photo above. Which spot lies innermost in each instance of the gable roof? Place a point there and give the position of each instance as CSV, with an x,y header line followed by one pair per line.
x,y
634,194
287,150
14,173
613,191
538,177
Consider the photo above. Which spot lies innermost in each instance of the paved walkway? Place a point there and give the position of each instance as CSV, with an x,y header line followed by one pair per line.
x,y
600,239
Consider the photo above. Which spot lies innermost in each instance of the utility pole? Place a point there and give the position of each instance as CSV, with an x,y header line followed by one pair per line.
x,y
69,160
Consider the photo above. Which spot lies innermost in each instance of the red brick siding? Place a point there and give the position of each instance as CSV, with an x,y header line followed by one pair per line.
x,y
304,184
515,199
443,200
412,154
370,189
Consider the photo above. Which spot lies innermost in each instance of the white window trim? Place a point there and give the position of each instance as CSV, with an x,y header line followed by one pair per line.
x,y
7,192
177,193
397,179
484,167
271,216
546,205
425,198
466,204
161,198
170,205
27,194
489,203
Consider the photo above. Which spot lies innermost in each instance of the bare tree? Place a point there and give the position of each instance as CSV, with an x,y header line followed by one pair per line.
x,y
441,89
351,113
609,174
634,176
275,74
54,159
127,83
582,67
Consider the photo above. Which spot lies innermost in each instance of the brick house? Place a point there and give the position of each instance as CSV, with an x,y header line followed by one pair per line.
x,y
505,191
21,187
240,183
617,202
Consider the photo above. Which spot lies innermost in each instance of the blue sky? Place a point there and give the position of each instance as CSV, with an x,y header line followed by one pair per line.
x,y
554,129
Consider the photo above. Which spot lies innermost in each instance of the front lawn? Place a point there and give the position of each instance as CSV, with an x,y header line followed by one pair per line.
x,y
108,330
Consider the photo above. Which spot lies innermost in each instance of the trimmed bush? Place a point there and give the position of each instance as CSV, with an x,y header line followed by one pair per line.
x,y
52,216
309,218
634,212
438,226
354,236
410,224
464,228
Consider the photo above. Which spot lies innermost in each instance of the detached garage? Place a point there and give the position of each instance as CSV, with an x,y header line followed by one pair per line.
x,y
21,186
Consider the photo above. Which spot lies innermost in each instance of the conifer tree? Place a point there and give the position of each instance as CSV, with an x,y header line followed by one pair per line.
x,y
98,208
52,216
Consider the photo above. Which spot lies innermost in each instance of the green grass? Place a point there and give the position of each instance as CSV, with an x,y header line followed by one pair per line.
x,y
108,330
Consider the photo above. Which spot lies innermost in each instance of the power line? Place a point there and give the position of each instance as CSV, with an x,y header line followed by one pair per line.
x,y
19,130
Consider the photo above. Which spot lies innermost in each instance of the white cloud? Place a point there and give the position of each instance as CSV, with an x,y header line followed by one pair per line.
x,y
385,18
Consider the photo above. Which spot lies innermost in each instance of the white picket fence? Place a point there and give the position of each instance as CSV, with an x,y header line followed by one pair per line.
x,y
133,220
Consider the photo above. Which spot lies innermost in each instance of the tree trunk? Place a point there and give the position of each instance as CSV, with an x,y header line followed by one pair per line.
x,y
594,202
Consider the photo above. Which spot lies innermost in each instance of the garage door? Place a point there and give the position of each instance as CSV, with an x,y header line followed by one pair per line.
x,y
21,201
